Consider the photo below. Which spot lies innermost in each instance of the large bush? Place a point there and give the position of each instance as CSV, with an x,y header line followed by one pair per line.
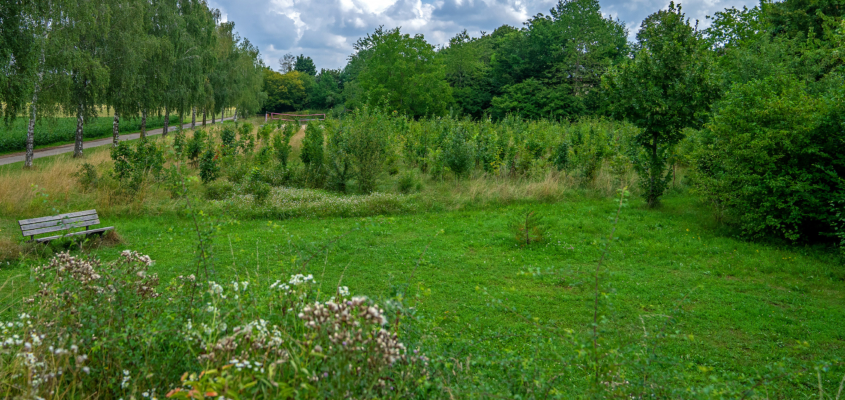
x,y
772,159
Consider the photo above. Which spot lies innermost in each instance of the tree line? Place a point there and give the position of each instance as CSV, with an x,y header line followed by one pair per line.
x,y
137,57
754,104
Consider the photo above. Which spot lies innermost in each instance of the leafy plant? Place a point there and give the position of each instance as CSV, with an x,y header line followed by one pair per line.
x,y
528,227
87,176
281,148
209,166
133,166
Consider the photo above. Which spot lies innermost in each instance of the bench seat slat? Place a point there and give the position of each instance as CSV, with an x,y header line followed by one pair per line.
x,y
59,222
61,227
57,217
98,230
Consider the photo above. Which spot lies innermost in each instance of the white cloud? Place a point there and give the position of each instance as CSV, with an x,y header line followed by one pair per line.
x,y
326,29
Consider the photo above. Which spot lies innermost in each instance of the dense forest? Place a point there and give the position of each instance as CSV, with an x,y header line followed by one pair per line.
x,y
133,57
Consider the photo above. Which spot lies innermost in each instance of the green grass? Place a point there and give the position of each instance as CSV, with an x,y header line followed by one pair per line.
x,y
748,303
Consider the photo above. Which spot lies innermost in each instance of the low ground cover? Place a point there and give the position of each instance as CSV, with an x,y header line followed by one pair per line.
x,y
747,305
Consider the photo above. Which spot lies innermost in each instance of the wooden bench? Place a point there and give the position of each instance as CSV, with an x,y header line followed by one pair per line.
x,y
60,223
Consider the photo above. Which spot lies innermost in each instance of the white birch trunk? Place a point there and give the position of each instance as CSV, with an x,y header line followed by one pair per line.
x,y
144,123
115,126
80,125
166,122
193,117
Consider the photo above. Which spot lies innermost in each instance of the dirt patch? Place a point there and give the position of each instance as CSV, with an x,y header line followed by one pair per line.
x,y
296,140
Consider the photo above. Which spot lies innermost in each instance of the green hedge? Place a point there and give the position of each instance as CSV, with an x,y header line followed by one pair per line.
x,y
57,130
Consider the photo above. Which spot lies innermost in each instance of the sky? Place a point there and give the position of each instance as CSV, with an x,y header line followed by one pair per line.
x,y
325,30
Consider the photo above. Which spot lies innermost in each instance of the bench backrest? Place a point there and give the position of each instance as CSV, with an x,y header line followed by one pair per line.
x,y
61,222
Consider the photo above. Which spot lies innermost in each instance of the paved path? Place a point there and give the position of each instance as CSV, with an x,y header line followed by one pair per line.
x,y
68,148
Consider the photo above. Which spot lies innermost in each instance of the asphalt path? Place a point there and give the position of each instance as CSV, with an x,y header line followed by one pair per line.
x,y
68,148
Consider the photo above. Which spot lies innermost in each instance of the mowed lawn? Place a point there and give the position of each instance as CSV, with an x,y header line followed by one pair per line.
x,y
745,304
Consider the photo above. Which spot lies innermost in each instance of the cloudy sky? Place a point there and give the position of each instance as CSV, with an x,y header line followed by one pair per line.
x,y
326,29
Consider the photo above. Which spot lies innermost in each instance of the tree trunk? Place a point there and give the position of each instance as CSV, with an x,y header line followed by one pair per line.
x,y
236,116
203,117
166,122
193,117
212,117
116,129
144,123
30,131
80,125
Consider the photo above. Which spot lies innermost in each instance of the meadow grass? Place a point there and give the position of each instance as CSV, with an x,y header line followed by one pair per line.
x,y
735,306
749,304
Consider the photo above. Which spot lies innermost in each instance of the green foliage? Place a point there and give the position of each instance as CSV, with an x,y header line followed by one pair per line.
x,y
527,227
368,141
219,190
402,73
409,182
228,138
87,176
281,148
772,159
60,130
458,151
662,90
312,147
255,186
132,166
209,166
286,92
305,65
195,145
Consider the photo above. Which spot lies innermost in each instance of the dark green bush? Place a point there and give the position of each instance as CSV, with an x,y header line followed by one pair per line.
x,y
195,145
458,151
772,159
409,182
133,166
281,148
228,139
219,190
367,143
209,166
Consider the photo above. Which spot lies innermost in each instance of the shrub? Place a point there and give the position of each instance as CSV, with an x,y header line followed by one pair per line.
x,y
265,131
312,155
247,140
219,190
133,166
195,145
409,182
87,176
209,166
458,151
281,148
367,144
179,145
527,227
772,157
312,147
255,186
338,160
228,140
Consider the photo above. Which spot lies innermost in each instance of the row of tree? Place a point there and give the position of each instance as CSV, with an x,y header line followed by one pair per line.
x,y
136,57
